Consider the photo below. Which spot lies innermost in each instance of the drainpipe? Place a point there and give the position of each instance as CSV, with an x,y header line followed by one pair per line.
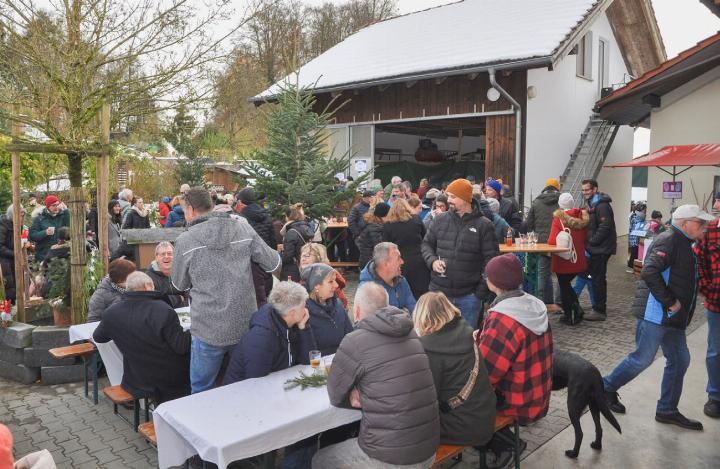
x,y
518,131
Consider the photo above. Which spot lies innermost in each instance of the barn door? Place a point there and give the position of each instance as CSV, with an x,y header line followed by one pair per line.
x,y
500,148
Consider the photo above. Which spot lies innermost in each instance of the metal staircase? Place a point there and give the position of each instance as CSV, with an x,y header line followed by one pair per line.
x,y
589,155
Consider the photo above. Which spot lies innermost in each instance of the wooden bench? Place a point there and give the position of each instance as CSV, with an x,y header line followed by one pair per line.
x,y
88,352
119,396
147,430
343,265
445,453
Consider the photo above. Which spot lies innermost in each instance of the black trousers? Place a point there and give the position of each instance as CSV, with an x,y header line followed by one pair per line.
x,y
567,293
633,251
597,269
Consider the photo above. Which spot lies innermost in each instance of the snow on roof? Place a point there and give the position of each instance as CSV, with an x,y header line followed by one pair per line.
x,y
457,36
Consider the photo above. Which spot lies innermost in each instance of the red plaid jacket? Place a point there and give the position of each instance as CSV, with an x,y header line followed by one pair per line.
x,y
708,255
519,364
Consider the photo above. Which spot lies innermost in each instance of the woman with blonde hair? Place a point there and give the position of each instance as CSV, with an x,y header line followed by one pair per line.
x,y
404,228
466,399
313,253
296,233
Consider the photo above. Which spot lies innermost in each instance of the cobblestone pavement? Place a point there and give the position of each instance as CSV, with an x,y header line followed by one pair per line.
x,y
81,435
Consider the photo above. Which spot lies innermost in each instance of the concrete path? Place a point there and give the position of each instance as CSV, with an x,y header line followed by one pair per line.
x,y
645,443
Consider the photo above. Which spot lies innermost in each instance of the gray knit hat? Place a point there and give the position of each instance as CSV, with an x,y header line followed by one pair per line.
x,y
314,274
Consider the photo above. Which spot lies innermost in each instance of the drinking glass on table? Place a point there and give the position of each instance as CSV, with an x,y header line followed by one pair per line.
x,y
523,239
327,364
315,358
534,238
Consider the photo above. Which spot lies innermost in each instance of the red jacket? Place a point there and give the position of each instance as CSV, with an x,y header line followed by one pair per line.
x,y
577,220
164,210
708,258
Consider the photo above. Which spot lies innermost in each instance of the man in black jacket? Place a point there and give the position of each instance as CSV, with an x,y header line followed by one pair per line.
x,y
261,222
509,208
155,349
456,248
664,305
601,244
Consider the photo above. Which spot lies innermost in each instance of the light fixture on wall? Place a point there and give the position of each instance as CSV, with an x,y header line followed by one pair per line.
x,y
531,92
493,94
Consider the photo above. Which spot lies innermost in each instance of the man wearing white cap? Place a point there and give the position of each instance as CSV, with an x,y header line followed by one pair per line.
x,y
664,304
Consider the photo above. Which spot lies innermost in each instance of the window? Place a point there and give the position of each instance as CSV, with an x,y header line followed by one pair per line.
x,y
583,67
603,65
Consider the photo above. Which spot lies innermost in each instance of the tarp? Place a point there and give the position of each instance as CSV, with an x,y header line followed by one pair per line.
x,y
677,155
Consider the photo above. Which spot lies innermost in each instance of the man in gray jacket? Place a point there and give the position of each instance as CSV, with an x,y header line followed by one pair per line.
x,y
212,262
381,368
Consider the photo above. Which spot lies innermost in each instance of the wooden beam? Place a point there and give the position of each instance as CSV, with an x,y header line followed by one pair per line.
x,y
472,76
382,88
439,81
410,84
24,147
17,230
102,180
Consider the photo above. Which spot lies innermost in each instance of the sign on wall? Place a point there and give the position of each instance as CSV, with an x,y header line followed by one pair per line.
x,y
672,190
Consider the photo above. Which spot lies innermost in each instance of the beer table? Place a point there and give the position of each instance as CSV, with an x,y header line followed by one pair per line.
x,y
244,419
530,256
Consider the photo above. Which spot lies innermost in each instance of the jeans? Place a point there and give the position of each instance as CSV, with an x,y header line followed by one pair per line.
x,y
580,284
299,455
205,363
469,306
349,455
648,337
712,360
545,285
598,273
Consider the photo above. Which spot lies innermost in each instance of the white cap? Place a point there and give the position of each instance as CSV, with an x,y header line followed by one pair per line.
x,y
684,212
566,201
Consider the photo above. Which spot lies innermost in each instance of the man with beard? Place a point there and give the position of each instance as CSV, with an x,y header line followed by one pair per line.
x,y
456,248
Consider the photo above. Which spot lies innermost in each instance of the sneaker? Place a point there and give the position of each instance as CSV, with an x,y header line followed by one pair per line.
x,y
613,400
712,408
595,316
502,460
676,418
629,271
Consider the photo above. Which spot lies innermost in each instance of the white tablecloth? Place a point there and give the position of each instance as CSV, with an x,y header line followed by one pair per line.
x,y
244,419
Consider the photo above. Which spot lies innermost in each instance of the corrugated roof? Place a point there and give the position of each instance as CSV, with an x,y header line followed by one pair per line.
x,y
457,36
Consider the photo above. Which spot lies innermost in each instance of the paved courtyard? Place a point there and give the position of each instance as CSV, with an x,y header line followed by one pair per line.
x,y
81,435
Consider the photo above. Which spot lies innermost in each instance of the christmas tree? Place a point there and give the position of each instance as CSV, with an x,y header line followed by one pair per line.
x,y
295,166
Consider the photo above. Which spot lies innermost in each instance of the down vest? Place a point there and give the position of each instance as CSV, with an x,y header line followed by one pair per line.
x,y
467,244
385,360
669,273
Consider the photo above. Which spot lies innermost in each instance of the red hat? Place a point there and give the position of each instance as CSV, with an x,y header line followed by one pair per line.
x,y
51,199
505,272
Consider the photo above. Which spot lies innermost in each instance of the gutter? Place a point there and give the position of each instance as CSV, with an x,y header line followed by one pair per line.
x,y
518,131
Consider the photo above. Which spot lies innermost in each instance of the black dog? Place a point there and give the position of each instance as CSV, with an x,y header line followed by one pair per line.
x,y
585,388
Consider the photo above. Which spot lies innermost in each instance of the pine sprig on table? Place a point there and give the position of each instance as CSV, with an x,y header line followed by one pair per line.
x,y
304,381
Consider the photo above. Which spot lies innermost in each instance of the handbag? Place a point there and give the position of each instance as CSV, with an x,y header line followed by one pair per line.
x,y
460,398
565,240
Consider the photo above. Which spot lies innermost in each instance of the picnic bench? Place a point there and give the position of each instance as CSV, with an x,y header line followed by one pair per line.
x,y
88,352
119,396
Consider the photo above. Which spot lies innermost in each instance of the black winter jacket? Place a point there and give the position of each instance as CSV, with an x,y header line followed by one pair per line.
x,y
366,241
155,349
602,238
356,222
328,323
409,236
510,212
466,245
669,273
297,234
540,216
451,352
164,286
261,223
7,256
133,220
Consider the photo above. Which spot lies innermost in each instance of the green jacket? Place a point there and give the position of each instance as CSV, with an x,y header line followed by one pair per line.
x,y
40,225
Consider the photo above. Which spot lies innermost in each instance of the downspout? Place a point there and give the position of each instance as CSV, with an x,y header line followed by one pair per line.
x,y
518,131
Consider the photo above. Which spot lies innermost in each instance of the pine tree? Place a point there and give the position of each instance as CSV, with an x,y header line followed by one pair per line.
x,y
295,165
191,168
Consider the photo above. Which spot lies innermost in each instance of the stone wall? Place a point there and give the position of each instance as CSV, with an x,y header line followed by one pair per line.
x,y
24,355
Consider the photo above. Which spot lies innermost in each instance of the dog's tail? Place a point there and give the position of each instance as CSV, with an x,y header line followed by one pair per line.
x,y
598,395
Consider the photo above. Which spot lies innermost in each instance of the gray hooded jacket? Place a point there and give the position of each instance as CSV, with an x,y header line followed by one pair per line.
x,y
212,261
384,358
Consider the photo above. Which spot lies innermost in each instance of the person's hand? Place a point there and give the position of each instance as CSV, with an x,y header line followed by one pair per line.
x,y
355,398
303,321
50,231
675,307
438,266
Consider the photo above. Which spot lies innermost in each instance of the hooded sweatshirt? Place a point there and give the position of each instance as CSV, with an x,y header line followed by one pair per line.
x,y
212,261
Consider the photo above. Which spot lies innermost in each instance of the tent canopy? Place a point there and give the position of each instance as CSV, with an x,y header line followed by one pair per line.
x,y
677,155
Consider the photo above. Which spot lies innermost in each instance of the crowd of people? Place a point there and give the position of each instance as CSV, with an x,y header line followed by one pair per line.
x,y
440,337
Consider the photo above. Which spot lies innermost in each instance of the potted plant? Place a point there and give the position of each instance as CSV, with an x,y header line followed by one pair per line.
x,y
58,274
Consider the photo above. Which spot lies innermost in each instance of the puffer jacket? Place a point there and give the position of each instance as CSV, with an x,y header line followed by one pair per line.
x,y
134,220
261,223
106,294
297,234
386,361
408,237
451,352
164,286
7,256
669,273
602,238
329,323
176,218
466,244
540,216
577,220
39,227
510,211
369,237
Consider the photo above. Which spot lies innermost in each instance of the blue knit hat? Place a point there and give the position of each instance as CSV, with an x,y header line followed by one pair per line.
x,y
495,185
166,199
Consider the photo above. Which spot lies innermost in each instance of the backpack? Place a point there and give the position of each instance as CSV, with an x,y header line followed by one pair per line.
x,y
565,240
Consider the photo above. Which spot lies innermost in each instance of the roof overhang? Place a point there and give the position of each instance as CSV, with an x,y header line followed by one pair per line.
x,y
677,155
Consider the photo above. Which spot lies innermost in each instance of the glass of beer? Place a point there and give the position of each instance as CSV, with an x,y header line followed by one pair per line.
x,y
327,363
315,358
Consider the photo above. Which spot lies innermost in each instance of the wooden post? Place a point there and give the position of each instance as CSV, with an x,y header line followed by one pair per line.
x,y
77,254
102,180
17,230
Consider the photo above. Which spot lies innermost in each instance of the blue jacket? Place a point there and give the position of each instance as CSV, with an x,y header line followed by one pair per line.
x,y
176,214
268,346
501,227
400,294
328,326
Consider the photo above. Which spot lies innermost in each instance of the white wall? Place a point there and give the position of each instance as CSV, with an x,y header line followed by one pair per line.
x,y
559,113
688,115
